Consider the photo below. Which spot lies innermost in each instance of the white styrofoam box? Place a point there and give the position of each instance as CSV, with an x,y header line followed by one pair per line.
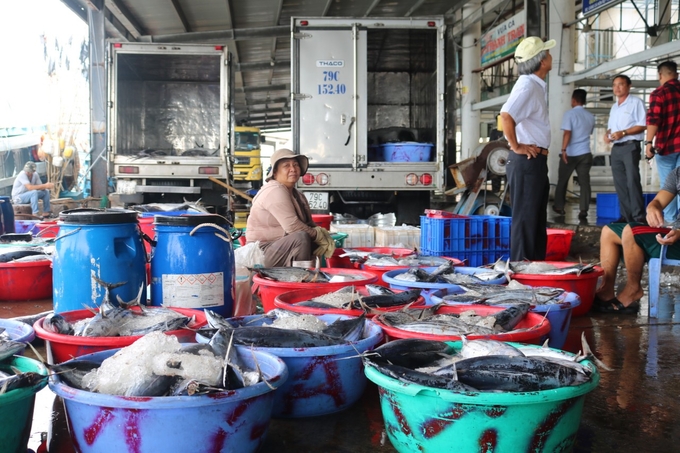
x,y
359,235
398,236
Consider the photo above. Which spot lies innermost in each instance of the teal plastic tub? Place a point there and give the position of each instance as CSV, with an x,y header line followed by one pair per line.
x,y
16,407
426,419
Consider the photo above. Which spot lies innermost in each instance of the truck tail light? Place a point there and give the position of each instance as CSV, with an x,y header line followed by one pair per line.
x,y
322,179
219,47
426,179
431,24
128,169
308,179
411,179
304,23
208,170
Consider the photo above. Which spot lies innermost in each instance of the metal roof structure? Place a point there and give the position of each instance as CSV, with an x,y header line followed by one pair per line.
x,y
257,32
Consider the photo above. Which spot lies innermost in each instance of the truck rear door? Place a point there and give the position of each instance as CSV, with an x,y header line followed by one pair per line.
x,y
330,95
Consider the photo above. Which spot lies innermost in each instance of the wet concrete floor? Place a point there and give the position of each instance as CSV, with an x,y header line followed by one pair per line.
x,y
635,408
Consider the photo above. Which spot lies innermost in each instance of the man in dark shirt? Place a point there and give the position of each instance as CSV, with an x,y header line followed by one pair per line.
x,y
639,243
663,125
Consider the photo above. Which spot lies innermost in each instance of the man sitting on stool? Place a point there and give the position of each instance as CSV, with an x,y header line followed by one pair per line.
x,y
638,243
28,188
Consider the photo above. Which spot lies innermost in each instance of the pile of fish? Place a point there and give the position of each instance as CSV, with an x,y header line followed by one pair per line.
x,y
480,365
513,293
283,329
158,365
383,259
446,273
427,321
291,274
348,298
541,268
25,254
11,378
112,321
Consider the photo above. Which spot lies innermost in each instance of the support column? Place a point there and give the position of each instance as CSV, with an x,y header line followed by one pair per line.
x,y
98,154
559,95
662,20
471,60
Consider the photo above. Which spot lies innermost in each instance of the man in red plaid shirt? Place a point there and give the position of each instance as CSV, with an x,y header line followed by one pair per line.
x,y
663,125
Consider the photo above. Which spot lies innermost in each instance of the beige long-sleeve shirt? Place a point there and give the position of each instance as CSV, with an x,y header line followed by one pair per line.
x,y
278,211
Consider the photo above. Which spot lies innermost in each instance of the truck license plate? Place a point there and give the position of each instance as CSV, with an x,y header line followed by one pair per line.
x,y
317,200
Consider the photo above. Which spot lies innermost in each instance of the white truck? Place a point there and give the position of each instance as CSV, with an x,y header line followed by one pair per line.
x,y
369,111
170,122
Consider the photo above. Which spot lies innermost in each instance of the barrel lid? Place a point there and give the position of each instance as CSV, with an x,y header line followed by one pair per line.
x,y
190,220
95,216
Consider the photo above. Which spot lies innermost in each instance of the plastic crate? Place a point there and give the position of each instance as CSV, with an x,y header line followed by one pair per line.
x,y
357,235
398,236
608,205
476,239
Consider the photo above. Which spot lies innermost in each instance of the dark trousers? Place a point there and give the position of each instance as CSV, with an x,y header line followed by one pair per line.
x,y
582,166
529,188
625,161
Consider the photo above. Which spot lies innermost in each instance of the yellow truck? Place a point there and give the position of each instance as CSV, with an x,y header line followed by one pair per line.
x,y
247,163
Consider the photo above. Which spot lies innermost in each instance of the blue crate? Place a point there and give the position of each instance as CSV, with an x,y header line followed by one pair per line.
x,y
608,205
476,239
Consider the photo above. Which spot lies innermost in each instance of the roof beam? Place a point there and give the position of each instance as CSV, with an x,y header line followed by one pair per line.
x,y
262,65
370,7
608,83
251,89
263,111
277,16
668,48
180,14
76,8
478,14
128,16
414,8
490,103
241,34
268,100
326,8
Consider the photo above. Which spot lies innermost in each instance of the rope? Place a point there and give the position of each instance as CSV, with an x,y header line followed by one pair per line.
x,y
225,238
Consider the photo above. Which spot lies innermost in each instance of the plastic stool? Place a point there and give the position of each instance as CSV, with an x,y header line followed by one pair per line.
x,y
654,269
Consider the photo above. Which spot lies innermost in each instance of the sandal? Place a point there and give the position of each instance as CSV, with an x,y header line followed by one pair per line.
x,y
615,306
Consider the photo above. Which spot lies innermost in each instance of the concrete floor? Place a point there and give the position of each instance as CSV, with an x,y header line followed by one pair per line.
x,y
635,408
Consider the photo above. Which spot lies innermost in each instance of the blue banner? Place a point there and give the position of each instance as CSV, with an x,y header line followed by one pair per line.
x,y
592,6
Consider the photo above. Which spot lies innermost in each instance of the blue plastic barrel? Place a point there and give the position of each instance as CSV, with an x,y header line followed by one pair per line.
x,y
193,270
7,215
97,244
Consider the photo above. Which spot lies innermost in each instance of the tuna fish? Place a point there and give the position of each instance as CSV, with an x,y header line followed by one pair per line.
x,y
291,274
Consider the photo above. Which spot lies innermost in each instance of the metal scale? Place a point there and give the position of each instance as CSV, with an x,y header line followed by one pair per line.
x,y
471,176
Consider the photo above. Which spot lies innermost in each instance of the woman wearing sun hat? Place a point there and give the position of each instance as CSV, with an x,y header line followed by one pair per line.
x,y
280,218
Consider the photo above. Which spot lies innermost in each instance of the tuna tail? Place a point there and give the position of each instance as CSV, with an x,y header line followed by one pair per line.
x,y
589,354
107,292
136,302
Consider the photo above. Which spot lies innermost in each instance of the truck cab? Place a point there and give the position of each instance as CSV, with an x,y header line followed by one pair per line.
x,y
247,163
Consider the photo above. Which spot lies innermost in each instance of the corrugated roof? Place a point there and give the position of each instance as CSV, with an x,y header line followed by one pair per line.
x,y
256,32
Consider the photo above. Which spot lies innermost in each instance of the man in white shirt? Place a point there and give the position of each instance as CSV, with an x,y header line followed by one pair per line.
x,y
28,188
625,129
577,127
526,125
